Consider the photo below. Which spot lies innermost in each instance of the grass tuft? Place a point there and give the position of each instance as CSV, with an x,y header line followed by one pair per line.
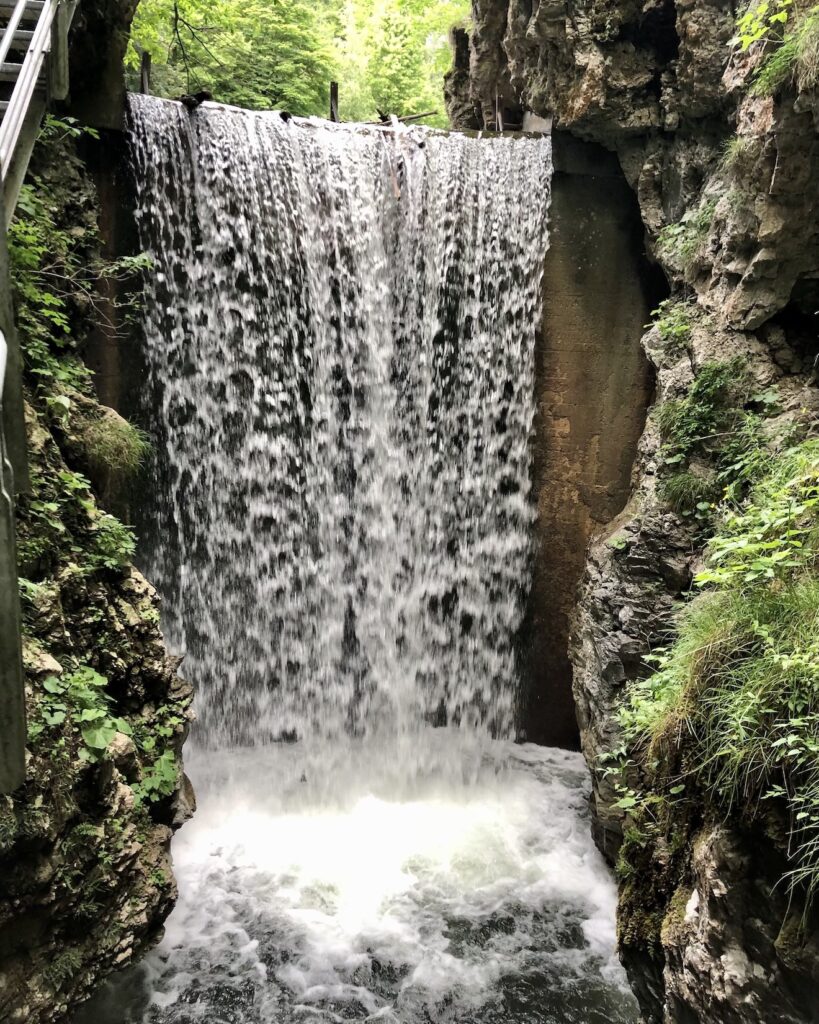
x,y
112,443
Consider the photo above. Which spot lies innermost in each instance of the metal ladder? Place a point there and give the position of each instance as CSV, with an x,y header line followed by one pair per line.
x,y
33,72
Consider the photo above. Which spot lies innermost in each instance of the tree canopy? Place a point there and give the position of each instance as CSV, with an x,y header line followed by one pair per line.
x,y
387,55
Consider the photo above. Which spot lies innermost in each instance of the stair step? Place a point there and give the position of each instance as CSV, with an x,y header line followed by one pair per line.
x,y
22,39
32,10
10,72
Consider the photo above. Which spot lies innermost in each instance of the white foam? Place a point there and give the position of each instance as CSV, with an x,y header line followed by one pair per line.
x,y
426,906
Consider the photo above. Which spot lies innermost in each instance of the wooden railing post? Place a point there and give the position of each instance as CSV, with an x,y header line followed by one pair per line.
x,y
334,101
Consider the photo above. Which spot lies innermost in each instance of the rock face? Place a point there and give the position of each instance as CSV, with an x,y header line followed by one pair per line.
x,y
85,872
727,184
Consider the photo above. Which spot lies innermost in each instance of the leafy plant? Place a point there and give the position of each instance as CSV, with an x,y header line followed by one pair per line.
x,y
61,516
159,780
674,319
699,420
761,22
77,702
690,493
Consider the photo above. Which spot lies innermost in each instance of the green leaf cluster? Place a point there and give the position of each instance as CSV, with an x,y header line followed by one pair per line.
x,y
795,58
681,243
60,519
761,22
77,705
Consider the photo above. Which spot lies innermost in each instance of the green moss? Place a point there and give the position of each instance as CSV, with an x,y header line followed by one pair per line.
x,y
672,929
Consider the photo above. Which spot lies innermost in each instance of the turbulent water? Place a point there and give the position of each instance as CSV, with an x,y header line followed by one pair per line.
x,y
476,900
339,337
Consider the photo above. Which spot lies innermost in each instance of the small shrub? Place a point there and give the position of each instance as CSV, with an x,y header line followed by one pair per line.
x,y
78,705
112,443
761,22
689,425
159,780
674,320
113,543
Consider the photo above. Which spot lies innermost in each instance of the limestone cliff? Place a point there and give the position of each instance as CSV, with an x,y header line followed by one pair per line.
x,y
85,873
727,181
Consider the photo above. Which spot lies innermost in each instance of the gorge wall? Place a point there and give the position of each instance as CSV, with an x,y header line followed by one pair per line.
x,y
726,180
85,872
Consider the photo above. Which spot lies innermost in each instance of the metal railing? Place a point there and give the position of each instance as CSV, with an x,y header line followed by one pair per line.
x,y
42,75
30,70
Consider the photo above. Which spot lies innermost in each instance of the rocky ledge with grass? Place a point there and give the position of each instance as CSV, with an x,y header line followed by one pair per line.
x,y
694,644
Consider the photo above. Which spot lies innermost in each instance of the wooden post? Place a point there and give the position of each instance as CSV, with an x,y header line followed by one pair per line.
x,y
334,101
145,73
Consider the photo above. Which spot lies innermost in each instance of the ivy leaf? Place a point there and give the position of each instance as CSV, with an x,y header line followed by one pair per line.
x,y
97,737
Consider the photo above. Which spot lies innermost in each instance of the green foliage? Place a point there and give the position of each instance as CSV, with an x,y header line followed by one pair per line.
x,y
761,22
795,59
681,243
674,319
689,493
42,256
692,425
159,780
739,154
777,530
737,695
64,966
713,422
387,54
77,705
60,518
56,278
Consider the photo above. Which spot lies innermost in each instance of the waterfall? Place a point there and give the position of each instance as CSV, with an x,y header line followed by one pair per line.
x,y
339,342
340,331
